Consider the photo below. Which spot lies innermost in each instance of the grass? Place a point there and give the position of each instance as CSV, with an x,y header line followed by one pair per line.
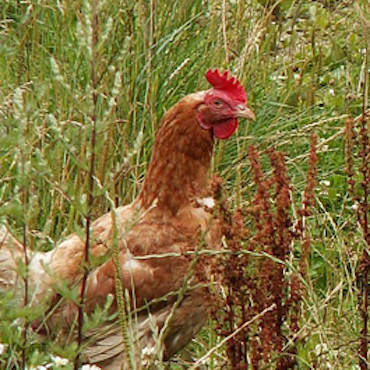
x,y
303,65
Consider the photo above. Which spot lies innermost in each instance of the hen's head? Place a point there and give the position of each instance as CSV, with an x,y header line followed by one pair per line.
x,y
223,105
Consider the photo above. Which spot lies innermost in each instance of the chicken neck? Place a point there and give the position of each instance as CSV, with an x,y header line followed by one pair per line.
x,y
180,161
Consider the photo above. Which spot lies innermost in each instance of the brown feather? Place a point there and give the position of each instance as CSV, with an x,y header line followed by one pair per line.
x,y
164,220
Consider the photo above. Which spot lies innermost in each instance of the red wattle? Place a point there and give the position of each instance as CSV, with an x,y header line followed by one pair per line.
x,y
225,129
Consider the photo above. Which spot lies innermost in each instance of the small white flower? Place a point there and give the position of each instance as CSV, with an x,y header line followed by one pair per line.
x,y
148,351
59,360
325,182
147,354
355,206
321,349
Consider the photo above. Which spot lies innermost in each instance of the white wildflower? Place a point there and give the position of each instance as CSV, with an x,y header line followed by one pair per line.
x,y
321,349
59,360
147,354
355,206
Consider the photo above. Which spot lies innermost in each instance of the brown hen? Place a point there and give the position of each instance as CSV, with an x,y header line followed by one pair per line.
x,y
166,307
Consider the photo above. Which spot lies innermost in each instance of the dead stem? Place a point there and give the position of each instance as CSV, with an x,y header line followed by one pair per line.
x,y
255,283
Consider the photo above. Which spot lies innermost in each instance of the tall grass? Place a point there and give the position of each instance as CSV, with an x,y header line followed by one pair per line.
x,y
303,65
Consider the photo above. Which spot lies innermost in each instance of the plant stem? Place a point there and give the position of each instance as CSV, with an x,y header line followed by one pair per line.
x,y
365,262
94,25
26,262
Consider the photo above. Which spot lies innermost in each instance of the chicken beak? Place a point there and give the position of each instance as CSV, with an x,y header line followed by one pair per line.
x,y
243,111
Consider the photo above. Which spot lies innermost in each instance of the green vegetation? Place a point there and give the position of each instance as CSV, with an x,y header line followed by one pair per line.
x,y
304,65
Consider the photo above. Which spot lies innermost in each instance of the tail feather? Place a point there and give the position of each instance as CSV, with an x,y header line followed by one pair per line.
x,y
105,344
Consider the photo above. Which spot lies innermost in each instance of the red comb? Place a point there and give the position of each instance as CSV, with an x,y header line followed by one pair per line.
x,y
230,86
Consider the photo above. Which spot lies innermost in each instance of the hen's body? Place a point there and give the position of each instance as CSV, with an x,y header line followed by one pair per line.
x,y
164,220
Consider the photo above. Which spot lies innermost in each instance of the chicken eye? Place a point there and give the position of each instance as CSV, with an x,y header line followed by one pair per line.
x,y
217,103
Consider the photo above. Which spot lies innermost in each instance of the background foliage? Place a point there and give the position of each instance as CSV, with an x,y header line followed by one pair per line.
x,y
304,66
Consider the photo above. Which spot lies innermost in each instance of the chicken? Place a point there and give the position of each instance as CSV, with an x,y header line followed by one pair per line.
x,y
167,307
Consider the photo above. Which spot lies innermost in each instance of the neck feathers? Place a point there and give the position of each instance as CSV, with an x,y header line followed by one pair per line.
x,y
180,160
